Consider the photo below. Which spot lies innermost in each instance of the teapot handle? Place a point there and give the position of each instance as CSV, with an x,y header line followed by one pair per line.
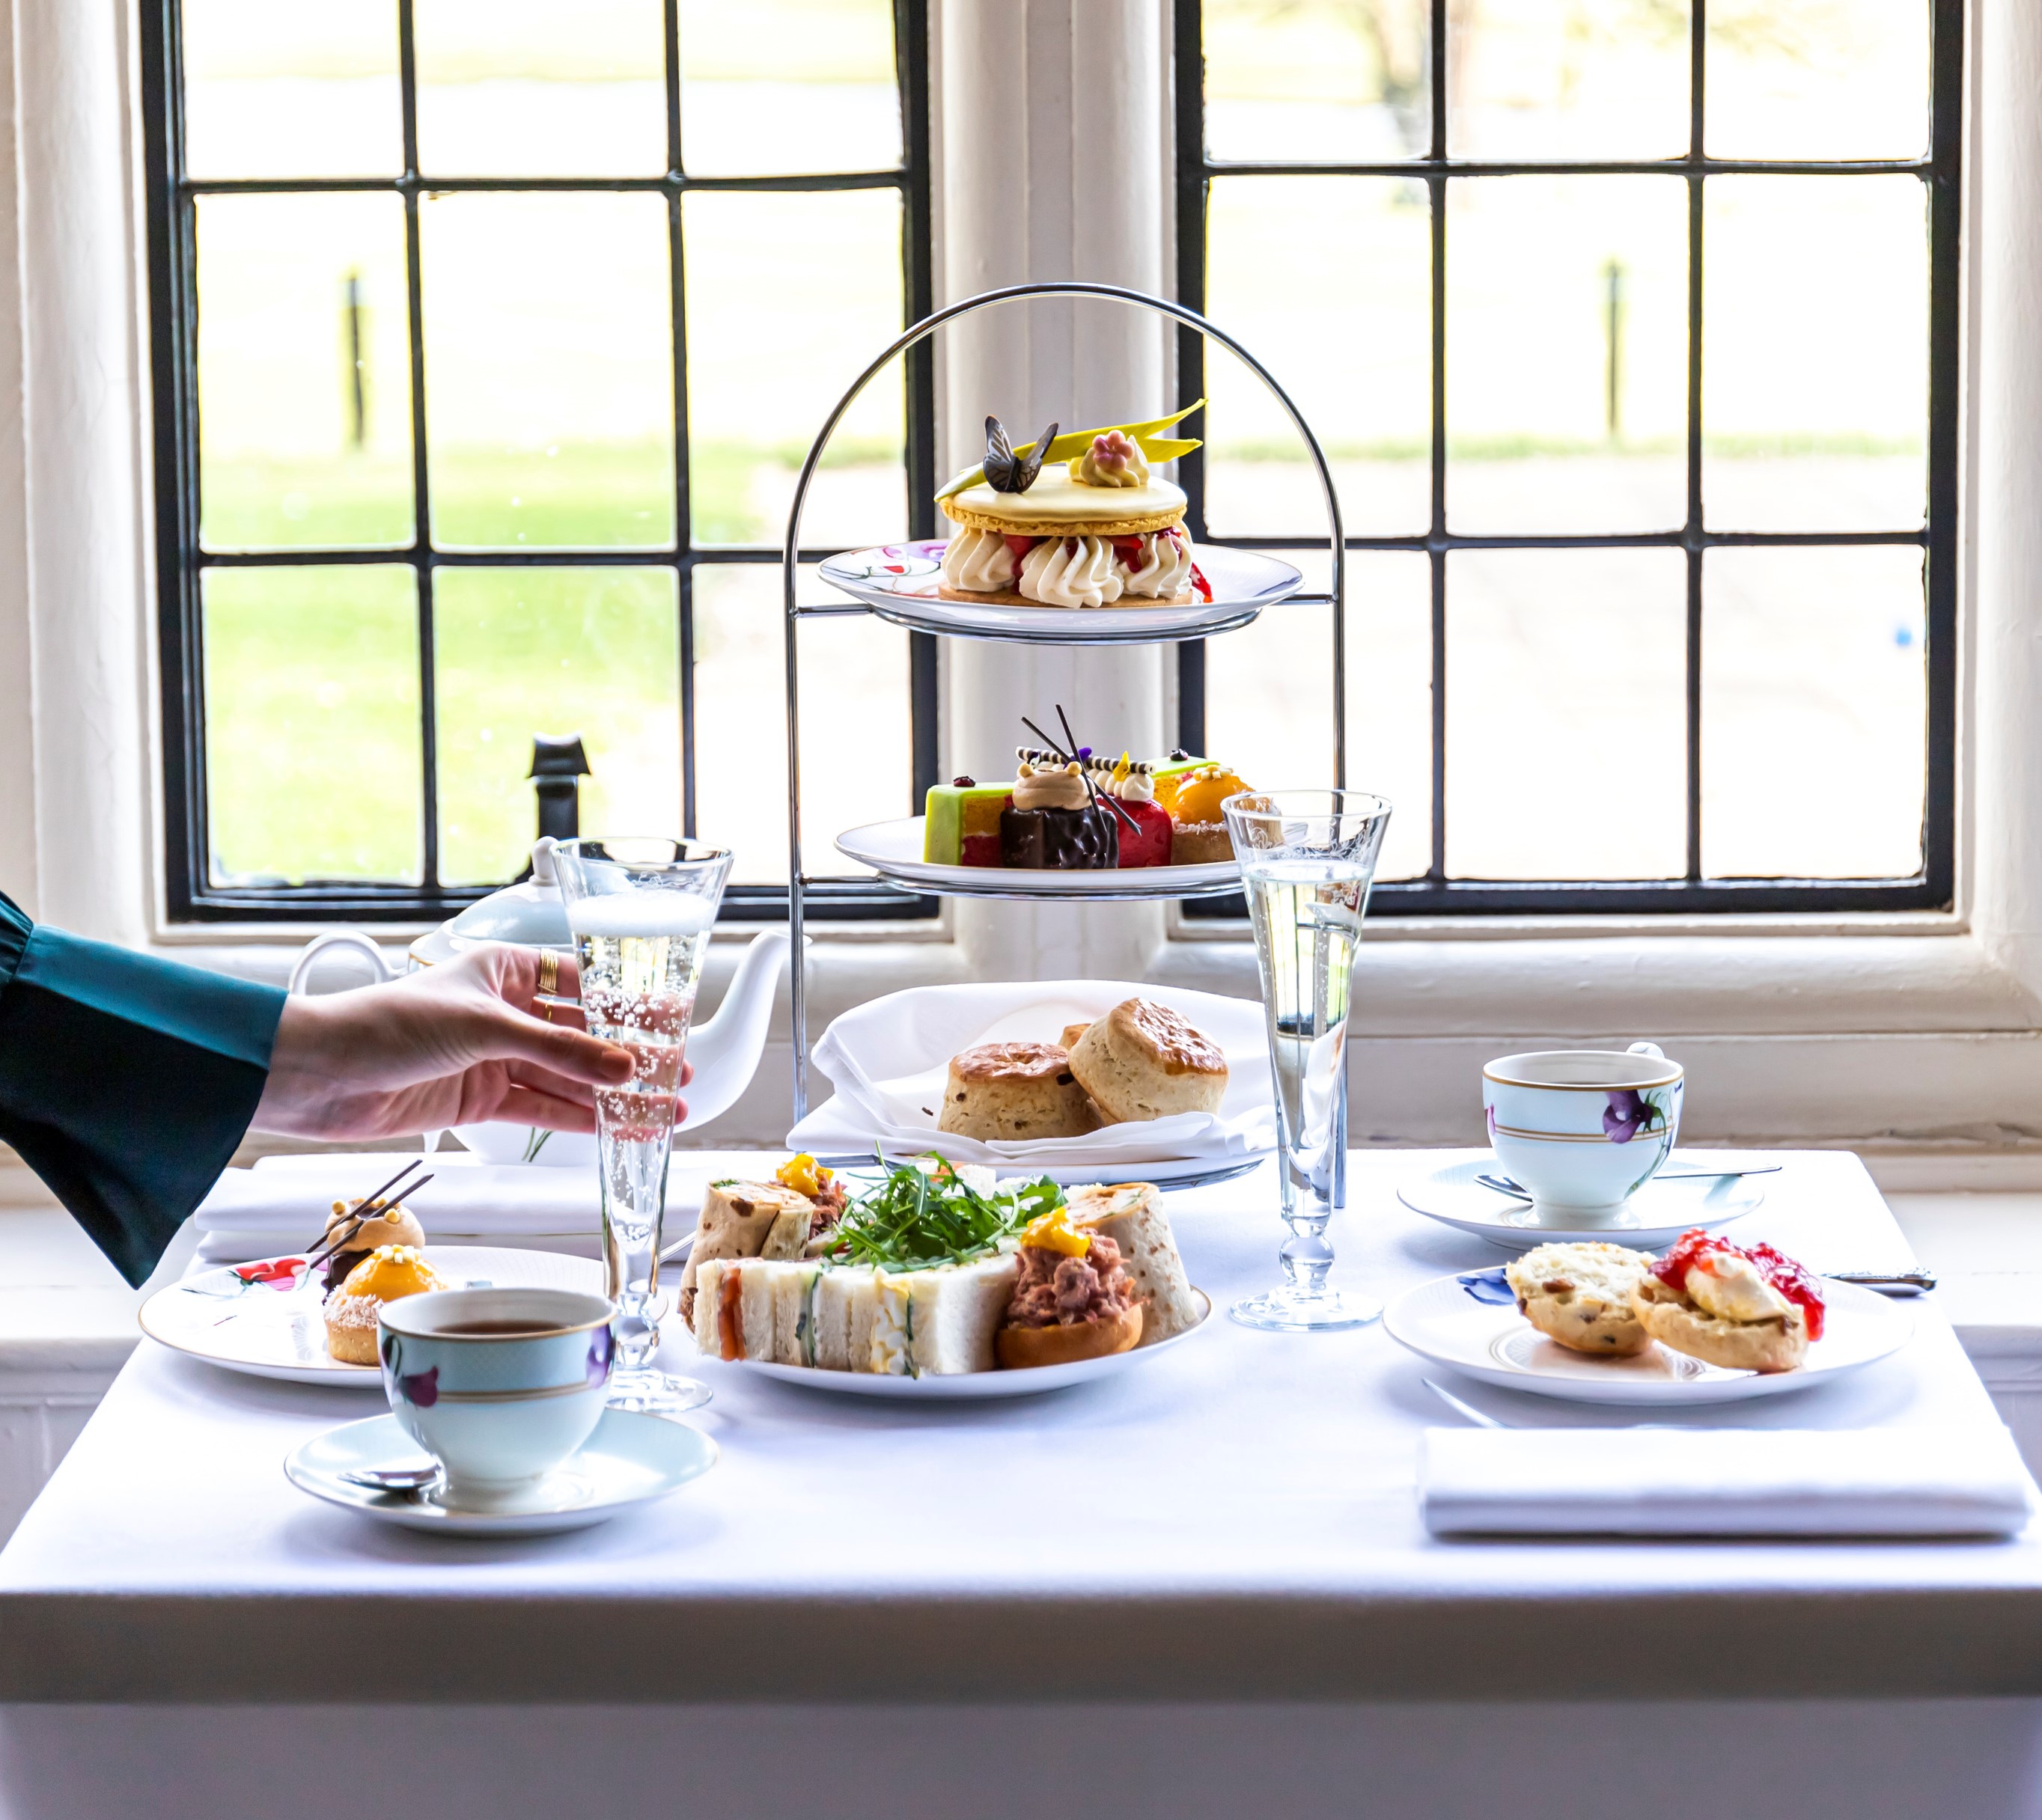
x,y
354,938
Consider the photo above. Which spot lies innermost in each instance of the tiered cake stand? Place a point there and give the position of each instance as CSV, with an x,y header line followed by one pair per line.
x,y
1026,626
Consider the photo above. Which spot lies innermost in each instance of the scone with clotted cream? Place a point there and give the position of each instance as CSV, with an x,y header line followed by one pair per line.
x,y
1751,1310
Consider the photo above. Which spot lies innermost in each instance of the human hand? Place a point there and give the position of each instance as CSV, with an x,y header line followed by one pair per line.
x,y
457,1044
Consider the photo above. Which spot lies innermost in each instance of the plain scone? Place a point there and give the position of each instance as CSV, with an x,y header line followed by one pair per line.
x,y
1677,1321
1580,1295
1141,1062
1129,1213
1009,1091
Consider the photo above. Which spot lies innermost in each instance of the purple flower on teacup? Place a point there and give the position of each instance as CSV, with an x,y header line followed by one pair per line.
x,y
420,1389
600,1345
1629,1113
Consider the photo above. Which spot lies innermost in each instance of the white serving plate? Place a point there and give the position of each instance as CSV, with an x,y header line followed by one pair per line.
x,y
1656,1215
893,850
1442,1321
267,1333
629,1459
898,582
970,1387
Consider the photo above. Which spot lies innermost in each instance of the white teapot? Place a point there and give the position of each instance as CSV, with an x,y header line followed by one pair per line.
x,y
723,1052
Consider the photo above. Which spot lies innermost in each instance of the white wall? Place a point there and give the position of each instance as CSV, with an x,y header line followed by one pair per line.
x,y
1922,1029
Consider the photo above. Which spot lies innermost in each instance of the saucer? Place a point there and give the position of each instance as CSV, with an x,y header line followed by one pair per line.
x,y
1469,1323
1652,1219
629,1459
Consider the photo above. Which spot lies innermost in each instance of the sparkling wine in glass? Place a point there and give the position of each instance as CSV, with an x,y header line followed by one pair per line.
x,y
641,911
1307,860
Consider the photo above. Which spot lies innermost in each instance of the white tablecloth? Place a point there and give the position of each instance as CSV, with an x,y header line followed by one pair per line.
x,y
1223,1544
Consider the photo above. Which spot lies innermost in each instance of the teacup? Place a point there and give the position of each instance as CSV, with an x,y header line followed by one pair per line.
x,y
1582,1130
499,1385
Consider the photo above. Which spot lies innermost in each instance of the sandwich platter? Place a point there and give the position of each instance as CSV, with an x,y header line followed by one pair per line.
x,y
1469,1323
893,850
264,1318
970,1387
899,583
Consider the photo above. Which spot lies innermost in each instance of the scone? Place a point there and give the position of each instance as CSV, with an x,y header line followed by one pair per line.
x,y
1072,1032
1746,1311
1141,1062
1580,1296
1005,1091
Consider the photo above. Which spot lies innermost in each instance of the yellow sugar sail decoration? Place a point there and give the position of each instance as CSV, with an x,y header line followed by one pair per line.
x,y
1155,447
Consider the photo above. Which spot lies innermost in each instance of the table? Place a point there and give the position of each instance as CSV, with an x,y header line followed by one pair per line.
x,y
1199,1587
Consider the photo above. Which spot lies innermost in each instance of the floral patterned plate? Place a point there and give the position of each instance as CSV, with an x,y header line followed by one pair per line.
x,y
264,1319
1655,1216
898,582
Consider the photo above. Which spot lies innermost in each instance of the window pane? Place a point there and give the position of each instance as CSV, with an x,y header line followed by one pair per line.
x,y
549,364
1544,435
276,90
775,86
1565,719
1813,705
518,652
857,757
1326,280
312,725
530,87
769,352
1815,352
1269,704
1599,78
304,372
1817,78
1316,79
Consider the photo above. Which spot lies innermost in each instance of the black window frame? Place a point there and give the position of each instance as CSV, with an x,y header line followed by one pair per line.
x,y
170,198
1437,893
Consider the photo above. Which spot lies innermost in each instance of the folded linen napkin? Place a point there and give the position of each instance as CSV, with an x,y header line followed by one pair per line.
x,y
1722,1483
888,1060
281,1204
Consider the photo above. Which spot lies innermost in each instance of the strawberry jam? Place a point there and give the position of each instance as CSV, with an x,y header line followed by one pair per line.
x,y
1788,1277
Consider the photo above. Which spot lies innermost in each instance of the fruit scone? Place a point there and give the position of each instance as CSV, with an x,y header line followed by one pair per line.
x,y
1749,1310
1072,521
1581,1296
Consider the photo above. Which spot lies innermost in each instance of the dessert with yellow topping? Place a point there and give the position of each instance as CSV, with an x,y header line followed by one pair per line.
x,y
1075,521
1198,836
387,1274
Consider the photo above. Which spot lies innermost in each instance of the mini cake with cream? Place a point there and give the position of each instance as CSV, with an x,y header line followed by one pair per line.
x,y
389,1274
1075,520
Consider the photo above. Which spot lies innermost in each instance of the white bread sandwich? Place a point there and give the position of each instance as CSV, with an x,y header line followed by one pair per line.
x,y
1130,1213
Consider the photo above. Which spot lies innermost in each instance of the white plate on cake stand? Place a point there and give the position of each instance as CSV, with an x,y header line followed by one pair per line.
x,y
893,850
230,1318
1469,1323
629,1459
971,1386
898,582
1654,1216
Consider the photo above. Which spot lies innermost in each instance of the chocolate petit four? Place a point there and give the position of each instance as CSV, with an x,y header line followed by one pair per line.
x,y
1055,821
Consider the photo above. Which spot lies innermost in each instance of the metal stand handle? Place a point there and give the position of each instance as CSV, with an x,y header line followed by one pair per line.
x,y
796,880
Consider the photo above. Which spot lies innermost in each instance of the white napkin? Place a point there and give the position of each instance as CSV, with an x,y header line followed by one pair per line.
x,y
1723,1481
281,1205
888,1059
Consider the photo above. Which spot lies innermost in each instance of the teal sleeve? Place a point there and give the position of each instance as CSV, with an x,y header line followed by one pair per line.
x,y
125,1082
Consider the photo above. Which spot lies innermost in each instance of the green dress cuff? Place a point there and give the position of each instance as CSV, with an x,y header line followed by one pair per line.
x,y
126,1082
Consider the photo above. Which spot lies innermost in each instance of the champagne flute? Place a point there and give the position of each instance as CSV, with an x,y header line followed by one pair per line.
x,y
640,909
1307,860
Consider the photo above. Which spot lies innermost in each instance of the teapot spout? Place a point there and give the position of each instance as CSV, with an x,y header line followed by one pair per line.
x,y
724,1052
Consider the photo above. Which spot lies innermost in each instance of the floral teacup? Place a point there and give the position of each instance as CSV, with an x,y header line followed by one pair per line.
x,y
1582,1130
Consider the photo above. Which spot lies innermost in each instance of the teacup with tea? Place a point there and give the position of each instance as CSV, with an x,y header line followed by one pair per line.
x,y
1582,1130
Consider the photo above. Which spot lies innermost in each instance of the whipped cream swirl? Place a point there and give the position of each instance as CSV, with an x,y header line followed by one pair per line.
x,y
1166,568
978,562
1112,461
1071,571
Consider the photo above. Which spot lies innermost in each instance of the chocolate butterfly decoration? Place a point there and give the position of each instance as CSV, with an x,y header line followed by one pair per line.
x,y
1006,472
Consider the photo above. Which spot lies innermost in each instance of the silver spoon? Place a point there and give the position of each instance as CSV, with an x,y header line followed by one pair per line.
x,y
393,1478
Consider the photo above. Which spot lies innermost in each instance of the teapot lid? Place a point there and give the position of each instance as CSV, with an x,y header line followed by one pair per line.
x,y
530,913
